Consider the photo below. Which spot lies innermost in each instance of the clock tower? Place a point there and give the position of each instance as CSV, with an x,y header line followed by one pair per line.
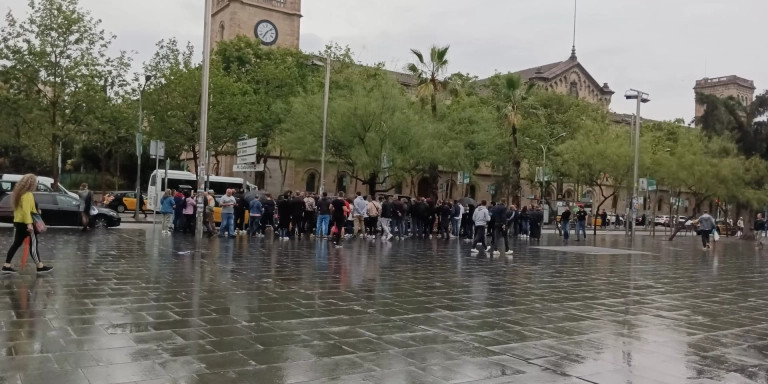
x,y
274,22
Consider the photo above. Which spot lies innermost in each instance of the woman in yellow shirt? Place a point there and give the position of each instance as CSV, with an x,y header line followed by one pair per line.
x,y
23,203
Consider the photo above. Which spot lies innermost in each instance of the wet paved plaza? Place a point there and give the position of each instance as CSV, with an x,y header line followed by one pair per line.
x,y
123,306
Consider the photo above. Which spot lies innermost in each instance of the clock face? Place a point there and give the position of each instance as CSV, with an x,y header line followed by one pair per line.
x,y
266,31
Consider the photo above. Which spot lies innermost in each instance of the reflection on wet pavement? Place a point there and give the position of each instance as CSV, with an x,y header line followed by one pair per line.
x,y
124,306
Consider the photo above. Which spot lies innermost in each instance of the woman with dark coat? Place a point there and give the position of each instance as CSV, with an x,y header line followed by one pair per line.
x,y
284,215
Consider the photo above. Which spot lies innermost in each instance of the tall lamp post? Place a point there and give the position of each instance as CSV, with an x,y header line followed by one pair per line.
x,y
642,98
139,141
327,65
202,169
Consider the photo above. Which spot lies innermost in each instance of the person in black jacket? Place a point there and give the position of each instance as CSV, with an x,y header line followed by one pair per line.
x,y
399,213
499,225
419,217
284,215
268,217
445,220
431,217
240,208
297,213
565,223
387,212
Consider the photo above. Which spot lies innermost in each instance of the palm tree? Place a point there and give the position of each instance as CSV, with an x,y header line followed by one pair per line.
x,y
428,73
511,95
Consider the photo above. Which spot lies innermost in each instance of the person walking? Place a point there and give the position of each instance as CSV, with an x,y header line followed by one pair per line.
x,y
481,217
189,212
323,216
525,223
565,223
227,204
457,210
706,226
24,208
166,209
86,201
210,204
338,219
399,212
310,208
445,211
385,221
419,217
373,211
360,207
140,204
178,211
240,207
297,214
284,215
499,220
581,223
255,211
740,227
268,217
604,220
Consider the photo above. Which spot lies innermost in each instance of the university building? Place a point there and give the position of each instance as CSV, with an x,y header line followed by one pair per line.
x,y
278,23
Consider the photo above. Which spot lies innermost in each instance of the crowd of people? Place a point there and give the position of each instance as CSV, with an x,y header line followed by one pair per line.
x,y
302,214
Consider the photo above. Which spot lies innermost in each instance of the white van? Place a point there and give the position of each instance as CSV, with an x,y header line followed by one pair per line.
x,y
45,184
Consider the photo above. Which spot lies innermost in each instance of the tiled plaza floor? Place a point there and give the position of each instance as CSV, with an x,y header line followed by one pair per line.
x,y
122,306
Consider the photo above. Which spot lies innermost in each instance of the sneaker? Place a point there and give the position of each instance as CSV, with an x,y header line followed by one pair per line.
x,y
496,253
389,237
373,237
509,252
44,269
474,250
488,249
338,246
8,270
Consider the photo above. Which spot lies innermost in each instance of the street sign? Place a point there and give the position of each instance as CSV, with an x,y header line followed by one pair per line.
x,y
247,143
246,159
460,178
466,177
651,184
157,149
247,151
139,139
642,184
248,167
539,174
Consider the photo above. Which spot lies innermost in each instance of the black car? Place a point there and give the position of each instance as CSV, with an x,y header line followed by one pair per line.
x,y
60,210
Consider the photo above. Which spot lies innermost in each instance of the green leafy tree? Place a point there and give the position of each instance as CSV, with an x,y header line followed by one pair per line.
x,y
370,115
50,55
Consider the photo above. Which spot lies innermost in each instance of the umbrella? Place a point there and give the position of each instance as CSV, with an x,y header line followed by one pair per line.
x,y
253,194
467,201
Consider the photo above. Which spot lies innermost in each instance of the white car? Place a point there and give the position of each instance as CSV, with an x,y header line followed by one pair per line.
x,y
661,220
42,181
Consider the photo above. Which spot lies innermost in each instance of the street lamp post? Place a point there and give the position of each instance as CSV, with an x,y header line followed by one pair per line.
x,y
325,119
139,140
641,97
202,169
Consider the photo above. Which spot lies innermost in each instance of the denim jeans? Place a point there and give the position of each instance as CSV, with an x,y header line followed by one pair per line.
x,y
455,226
566,227
227,224
254,222
398,224
581,227
322,225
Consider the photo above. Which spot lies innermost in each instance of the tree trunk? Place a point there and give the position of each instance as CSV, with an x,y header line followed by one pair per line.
x,y
433,102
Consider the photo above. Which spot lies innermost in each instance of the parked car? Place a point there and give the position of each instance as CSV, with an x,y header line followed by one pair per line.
x,y
59,210
125,201
44,183
661,220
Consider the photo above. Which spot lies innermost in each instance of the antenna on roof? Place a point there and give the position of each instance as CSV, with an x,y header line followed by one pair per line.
x,y
573,48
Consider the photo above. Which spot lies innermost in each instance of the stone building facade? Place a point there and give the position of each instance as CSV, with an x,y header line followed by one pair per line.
x,y
740,88
277,21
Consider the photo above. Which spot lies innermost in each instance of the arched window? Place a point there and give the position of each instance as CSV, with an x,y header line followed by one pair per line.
x,y
587,195
311,185
574,89
342,181
221,31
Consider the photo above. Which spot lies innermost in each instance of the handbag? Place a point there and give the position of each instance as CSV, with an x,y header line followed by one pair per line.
x,y
715,235
94,211
38,222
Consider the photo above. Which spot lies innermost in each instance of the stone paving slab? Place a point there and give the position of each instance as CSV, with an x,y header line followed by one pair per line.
x,y
124,306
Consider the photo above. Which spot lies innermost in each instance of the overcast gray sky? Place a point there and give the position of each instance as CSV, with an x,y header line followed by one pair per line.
x,y
658,46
